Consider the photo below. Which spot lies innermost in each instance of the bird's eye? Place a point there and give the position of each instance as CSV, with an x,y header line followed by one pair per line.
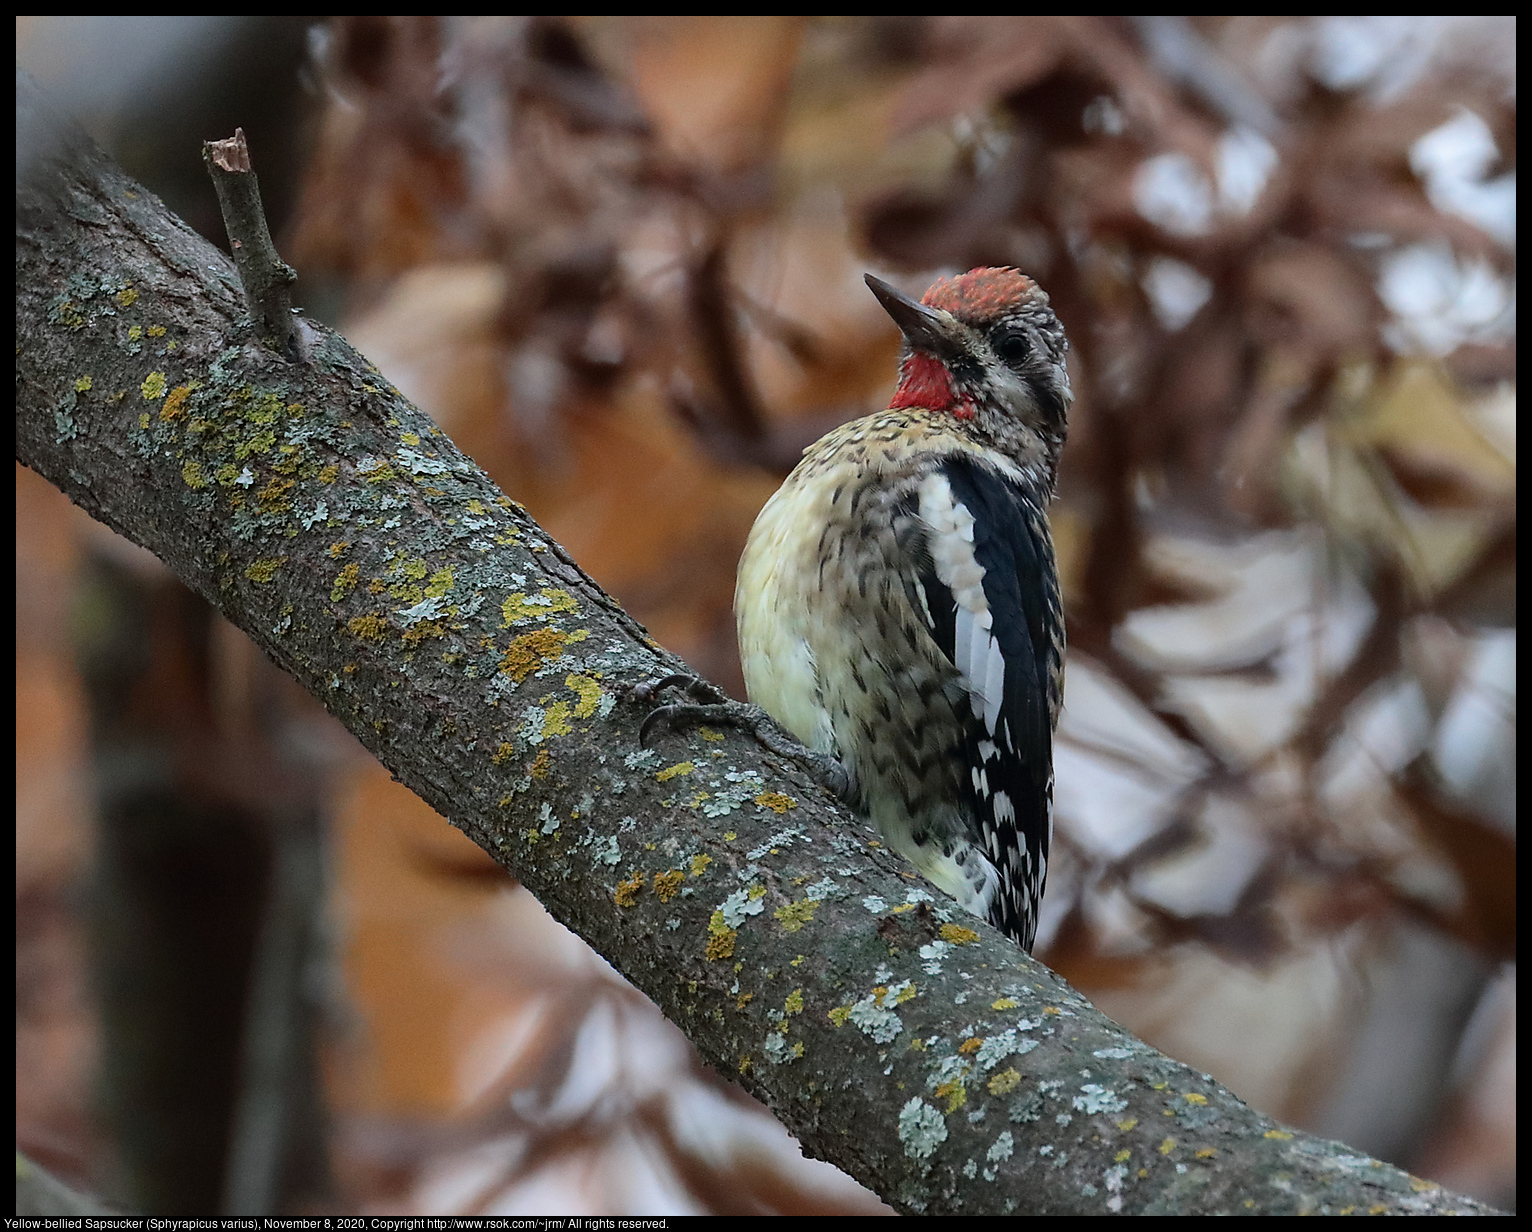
x,y
1012,346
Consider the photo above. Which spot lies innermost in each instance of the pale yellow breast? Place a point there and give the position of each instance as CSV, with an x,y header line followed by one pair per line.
x,y
777,620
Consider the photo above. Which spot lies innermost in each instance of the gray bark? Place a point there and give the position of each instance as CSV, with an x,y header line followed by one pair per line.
x,y
906,1042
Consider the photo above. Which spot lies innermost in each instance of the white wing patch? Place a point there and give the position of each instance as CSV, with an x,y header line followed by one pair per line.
x,y
975,653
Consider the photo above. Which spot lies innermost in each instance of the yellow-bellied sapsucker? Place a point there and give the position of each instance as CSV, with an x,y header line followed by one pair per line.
x,y
898,604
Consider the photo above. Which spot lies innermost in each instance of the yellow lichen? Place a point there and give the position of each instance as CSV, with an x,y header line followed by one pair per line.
x,y
972,1044
1167,1146
1281,1135
174,405
1122,1157
440,584
418,633
720,939
504,752
1127,1124
556,721
265,569
795,915
1004,1003
261,442
127,297
344,580
700,863
1192,1097
794,1002
329,474
153,387
954,1093
410,438
155,331
668,885
670,772
542,765
193,476
708,734
1207,1152
626,893
589,691
273,497
1006,1081
338,548
531,651
521,607
370,628
744,999
839,1015
956,934
776,801
82,385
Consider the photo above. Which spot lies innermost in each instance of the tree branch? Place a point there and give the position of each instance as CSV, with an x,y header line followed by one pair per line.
x,y
897,1037
267,278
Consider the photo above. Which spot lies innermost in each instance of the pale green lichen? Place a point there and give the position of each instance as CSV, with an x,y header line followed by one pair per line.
x,y
921,1128
883,1025
153,387
741,904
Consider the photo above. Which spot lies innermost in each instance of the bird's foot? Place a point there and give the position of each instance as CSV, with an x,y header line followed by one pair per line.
x,y
713,705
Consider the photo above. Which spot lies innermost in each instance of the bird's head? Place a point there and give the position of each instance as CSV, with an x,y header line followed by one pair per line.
x,y
986,348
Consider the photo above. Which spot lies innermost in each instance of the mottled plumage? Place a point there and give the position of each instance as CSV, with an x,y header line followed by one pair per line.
x,y
898,604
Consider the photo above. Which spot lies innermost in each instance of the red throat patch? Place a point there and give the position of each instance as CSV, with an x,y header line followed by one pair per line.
x,y
925,382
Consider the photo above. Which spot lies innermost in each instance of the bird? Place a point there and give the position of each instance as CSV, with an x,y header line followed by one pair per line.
x,y
897,602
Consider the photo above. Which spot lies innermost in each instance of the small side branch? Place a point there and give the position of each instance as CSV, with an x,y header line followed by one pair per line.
x,y
267,279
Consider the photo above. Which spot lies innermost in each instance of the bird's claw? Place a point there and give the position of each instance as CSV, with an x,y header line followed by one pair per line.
x,y
713,705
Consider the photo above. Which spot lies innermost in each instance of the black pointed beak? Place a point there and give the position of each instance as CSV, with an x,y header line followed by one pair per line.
x,y
923,328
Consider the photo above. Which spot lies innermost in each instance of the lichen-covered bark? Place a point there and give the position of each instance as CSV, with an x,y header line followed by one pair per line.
x,y
906,1042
